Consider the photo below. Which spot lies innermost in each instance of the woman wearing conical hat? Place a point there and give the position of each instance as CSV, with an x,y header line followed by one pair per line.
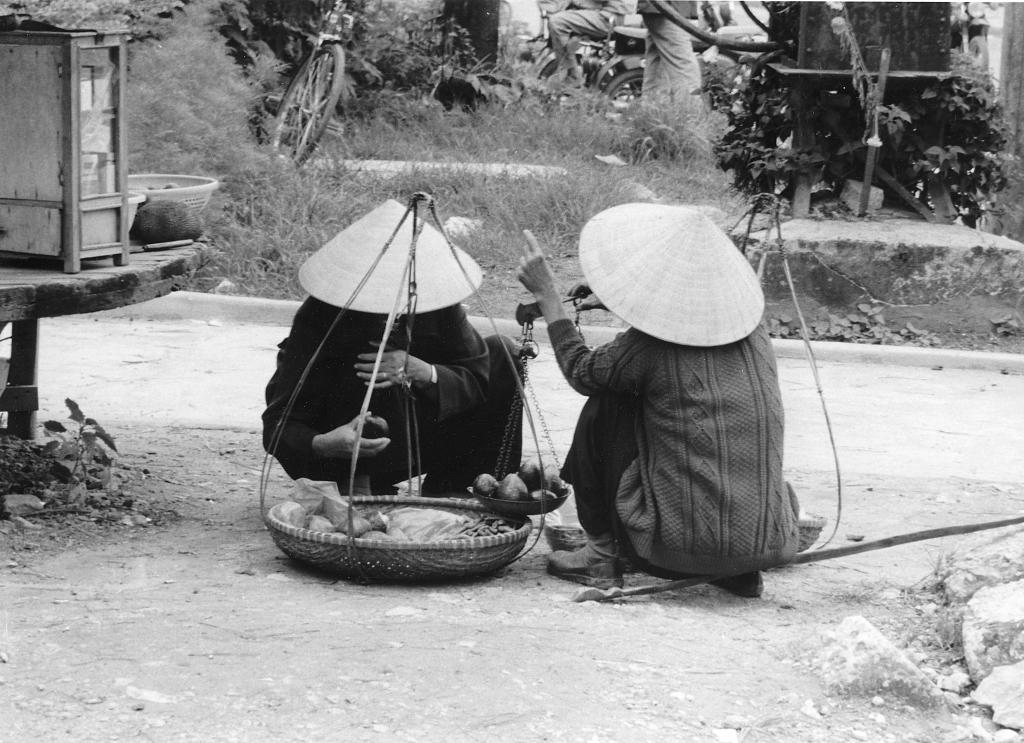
x,y
677,457
444,391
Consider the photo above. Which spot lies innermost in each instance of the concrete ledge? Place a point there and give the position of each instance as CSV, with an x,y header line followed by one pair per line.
x,y
390,168
898,261
257,311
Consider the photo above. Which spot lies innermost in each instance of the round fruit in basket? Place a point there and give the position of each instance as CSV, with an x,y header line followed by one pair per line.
x,y
553,480
485,485
512,487
531,475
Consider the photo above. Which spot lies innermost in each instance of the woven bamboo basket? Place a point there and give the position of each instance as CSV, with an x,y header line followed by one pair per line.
x,y
402,561
810,527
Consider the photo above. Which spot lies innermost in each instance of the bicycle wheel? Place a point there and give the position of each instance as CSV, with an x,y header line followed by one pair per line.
x,y
308,104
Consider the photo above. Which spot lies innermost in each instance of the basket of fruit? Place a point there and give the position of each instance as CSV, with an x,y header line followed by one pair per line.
x,y
398,538
527,492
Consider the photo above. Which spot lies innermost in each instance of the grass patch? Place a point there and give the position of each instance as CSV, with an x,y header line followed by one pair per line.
x,y
275,216
193,111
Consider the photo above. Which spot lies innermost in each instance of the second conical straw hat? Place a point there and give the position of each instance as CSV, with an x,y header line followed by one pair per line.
x,y
672,273
333,273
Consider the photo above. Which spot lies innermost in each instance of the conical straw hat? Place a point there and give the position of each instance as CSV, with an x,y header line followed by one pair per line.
x,y
333,273
670,272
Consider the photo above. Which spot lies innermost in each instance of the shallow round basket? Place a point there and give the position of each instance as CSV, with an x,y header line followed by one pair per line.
x,y
810,526
565,537
193,190
401,560
523,507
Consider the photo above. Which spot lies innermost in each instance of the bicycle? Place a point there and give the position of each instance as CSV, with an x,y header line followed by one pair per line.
x,y
313,93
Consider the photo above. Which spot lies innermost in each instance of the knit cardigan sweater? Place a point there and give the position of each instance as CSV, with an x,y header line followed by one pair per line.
x,y
706,492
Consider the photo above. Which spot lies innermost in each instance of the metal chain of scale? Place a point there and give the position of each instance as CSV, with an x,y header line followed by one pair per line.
x,y
528,349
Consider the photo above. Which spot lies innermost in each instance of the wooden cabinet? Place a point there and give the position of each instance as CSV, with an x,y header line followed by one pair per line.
x,y
63,165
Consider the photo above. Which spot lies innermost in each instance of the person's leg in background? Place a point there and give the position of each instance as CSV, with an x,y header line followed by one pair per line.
x,y
672,74
565,28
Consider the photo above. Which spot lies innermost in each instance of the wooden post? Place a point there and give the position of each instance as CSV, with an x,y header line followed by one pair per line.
x,y
1011,82
803,138
20,397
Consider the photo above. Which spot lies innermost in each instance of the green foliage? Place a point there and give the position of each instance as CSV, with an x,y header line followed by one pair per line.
x,y
62,471
950,130
278,216
82,456
392,45
141,18
654,133
191,108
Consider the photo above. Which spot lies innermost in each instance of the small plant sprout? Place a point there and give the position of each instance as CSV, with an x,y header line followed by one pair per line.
x,y
83,454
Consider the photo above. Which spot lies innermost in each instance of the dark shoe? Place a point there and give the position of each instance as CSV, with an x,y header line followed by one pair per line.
x,y
585,566
747,585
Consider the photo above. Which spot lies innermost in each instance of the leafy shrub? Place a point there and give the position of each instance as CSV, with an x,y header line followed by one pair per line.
x,y
82,456
951,130
190,107
393,45
141,18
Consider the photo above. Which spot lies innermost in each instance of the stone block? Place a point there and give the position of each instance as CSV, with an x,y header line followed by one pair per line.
x,y
993,628
1003,691
977,562
850,196
902,261
983,561
856,658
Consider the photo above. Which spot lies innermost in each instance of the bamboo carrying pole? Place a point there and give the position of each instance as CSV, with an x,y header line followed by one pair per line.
x,y
598,594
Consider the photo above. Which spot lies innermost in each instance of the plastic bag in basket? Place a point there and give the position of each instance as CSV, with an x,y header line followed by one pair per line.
x,y
309,493
428,524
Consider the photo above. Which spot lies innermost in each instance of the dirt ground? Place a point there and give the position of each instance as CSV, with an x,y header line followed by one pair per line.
x,y
195,627
189,624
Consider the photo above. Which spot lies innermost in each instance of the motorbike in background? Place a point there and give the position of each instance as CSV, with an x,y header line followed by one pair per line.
x,y
607,63
614,65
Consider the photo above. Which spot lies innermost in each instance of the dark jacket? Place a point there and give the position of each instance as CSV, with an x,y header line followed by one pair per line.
x,y
331,394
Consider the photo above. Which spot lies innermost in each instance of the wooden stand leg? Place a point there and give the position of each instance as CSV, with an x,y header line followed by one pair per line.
x,y
21,397
803,137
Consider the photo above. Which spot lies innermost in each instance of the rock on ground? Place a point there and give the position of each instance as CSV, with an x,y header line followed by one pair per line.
x,y
857,659
993,628
979,562
1003,691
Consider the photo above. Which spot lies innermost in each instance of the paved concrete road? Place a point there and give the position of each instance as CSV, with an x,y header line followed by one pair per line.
x,y
201,360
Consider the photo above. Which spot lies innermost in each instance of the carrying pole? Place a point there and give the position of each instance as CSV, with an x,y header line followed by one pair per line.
x,y
597,594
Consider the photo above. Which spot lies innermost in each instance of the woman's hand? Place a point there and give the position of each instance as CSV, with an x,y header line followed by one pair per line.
x,y
396,369
340,443
535,274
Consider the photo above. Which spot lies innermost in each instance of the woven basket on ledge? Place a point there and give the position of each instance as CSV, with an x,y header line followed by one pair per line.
x,y
400,560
